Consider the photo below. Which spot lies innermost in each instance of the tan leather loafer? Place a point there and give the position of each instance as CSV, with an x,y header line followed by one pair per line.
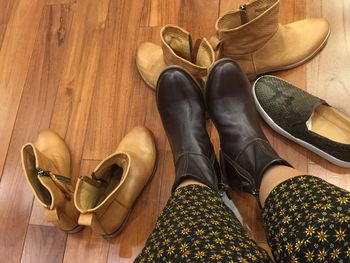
x,y
176,49
253,37
46,165
106,198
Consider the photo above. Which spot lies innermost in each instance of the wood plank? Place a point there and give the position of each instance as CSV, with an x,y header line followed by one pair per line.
x,y
2,33
15,53
38,95
129,244
60,2
119,103
44,244
7,10
86,246
328,78
159,12
191,16
74,96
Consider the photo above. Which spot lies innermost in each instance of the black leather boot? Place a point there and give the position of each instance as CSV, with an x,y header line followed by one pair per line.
x,y
245,151
182,110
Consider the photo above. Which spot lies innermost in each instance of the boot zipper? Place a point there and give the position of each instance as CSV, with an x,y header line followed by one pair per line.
x,y
223,188
242,7
58,180
42,172
243,12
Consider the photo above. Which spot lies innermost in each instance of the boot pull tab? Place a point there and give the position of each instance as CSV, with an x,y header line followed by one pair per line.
x,y
89,219
195,50
243,13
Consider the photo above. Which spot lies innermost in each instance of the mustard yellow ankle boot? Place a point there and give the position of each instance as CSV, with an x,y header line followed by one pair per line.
x,y
253,37
176,49
46,165
106,198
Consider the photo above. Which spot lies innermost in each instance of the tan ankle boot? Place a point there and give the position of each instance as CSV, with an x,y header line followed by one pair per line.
x,y
106,198
46,165
176,49
253,37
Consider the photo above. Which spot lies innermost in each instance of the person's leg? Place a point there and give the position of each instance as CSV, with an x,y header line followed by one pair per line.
x,y
273,177
196,226
306,218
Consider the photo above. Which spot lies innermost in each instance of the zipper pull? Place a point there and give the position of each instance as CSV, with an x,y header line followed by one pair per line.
x,y
223,188
242,7
42,172
61,182
243,12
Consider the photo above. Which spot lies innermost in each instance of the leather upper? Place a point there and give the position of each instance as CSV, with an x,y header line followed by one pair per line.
x,y
53,190
245,151
253,37
107,197
176,49
181,107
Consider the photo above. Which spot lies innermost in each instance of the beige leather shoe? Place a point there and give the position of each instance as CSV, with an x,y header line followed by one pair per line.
x,y
106,198
253,37
46,165
176,49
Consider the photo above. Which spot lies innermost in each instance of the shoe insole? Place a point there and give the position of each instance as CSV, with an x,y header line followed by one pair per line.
x,y
330,123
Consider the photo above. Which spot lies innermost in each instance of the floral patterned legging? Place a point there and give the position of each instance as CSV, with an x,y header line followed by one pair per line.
x,y
306,220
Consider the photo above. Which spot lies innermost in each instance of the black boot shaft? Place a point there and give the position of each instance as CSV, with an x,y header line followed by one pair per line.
x,y
182,109
245,152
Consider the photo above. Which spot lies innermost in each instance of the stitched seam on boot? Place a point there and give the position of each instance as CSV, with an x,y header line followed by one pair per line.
x,y
235,165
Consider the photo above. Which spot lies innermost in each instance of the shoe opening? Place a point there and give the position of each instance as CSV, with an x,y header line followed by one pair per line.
x,y
330,123
103,182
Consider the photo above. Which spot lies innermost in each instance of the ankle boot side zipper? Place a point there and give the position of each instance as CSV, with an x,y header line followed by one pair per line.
x,y
60,181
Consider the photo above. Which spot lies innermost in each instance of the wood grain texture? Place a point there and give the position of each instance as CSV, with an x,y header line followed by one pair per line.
x,y
44,244
15,53
34,114
75,92
69,65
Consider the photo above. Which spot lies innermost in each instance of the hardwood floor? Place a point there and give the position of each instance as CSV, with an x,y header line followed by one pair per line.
x,y
69,65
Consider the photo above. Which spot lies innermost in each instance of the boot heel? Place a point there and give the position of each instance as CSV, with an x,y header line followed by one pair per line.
x,y
55,217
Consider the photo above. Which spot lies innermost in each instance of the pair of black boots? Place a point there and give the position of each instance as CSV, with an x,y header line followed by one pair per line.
x,y
245,152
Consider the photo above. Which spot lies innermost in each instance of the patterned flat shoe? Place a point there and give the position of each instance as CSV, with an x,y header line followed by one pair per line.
x,y
304,119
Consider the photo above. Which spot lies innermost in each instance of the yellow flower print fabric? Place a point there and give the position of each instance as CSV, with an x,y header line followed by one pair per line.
x,y
308,220
196,226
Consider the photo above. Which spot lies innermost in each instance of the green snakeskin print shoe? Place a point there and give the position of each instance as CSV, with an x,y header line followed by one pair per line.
x,y
304,119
